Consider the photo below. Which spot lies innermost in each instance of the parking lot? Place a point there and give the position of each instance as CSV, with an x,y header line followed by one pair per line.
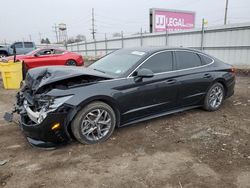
x,y
190,149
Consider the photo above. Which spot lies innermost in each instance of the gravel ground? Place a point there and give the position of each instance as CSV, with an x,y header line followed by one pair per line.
x,y
189,149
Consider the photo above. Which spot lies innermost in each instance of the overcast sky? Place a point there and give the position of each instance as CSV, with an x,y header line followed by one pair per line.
x,y
21,18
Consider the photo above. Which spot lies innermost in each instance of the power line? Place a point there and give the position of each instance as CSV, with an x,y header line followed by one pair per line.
x,y
187,3
118,20
225,18
93,24
81,22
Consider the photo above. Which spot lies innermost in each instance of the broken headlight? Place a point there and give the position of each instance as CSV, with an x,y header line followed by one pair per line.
x,y
51,105
46,104
54,103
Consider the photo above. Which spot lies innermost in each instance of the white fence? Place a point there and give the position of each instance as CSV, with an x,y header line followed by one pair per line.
x,y
230,43
50,45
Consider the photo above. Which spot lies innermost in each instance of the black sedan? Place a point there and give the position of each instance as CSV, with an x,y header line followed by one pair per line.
x,y
58,104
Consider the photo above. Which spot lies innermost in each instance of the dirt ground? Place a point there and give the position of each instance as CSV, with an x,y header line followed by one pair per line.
x,y
189,149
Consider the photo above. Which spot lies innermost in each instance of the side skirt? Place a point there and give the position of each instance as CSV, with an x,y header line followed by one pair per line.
x,y
160,115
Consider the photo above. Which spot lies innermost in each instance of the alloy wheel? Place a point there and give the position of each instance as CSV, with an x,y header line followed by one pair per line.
x,y
216,97
71,63
96,124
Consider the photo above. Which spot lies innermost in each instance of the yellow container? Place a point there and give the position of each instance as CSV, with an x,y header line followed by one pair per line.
x,y
12,74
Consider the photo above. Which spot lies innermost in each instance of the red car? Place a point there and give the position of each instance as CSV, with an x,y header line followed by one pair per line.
x,y
49,56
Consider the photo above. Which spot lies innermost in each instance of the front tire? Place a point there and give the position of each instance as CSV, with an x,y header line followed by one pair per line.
x,y
214,97
94,123
2,55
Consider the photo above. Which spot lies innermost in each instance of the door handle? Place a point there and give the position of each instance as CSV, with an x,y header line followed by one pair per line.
x,y
171,81
207,75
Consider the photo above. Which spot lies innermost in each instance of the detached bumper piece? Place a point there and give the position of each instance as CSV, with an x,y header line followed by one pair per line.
x,y
41,144
8,117
45,135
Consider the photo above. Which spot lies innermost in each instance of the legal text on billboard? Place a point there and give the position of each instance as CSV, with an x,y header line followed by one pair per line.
x,y
173,21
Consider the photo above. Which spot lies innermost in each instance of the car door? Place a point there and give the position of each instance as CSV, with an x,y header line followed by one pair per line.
x,y
60,57
151,96
193,76
53,57
40,58
28,47
19,47
46,57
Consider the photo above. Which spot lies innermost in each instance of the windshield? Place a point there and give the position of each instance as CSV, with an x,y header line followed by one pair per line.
x,y
32,52
118,62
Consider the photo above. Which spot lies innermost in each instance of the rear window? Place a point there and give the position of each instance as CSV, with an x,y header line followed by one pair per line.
x,y
28,45
187,60
58,51
206,60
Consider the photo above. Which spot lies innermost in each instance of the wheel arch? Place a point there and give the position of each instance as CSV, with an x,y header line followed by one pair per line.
x,y
223,83
4,52
70,59
106,99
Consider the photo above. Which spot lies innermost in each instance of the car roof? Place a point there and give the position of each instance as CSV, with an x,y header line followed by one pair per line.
x,y
45,48
153,49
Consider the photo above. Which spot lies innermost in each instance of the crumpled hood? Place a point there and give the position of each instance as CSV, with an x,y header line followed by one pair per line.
x,y
41,76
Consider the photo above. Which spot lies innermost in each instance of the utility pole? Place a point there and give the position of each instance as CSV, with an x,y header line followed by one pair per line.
x,y
225,18
166,27
30,38
40,37
202,34
106,44
93,24
56,32
141,37
122,39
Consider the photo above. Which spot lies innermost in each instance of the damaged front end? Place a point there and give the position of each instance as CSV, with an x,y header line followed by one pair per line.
x,y
44,119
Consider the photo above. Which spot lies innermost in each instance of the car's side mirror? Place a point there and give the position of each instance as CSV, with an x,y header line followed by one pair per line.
x,y
143,73
36,55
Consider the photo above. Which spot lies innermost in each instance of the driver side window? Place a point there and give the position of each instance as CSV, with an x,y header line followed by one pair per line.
x,y
17,45
44,52
161,62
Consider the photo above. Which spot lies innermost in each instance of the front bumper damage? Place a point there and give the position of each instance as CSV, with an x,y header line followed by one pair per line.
x,y
49,133
45,115
42,135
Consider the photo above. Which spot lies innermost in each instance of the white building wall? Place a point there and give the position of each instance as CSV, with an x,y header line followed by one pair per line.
x,y
230,43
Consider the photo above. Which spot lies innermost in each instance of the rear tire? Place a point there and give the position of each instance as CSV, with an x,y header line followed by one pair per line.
x,y
2,55
94,123
214,97
71,62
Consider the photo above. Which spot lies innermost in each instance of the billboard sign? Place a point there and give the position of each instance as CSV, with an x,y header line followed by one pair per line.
x,y
171,20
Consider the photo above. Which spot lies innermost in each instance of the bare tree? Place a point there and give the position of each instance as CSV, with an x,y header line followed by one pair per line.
x,y
116,34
